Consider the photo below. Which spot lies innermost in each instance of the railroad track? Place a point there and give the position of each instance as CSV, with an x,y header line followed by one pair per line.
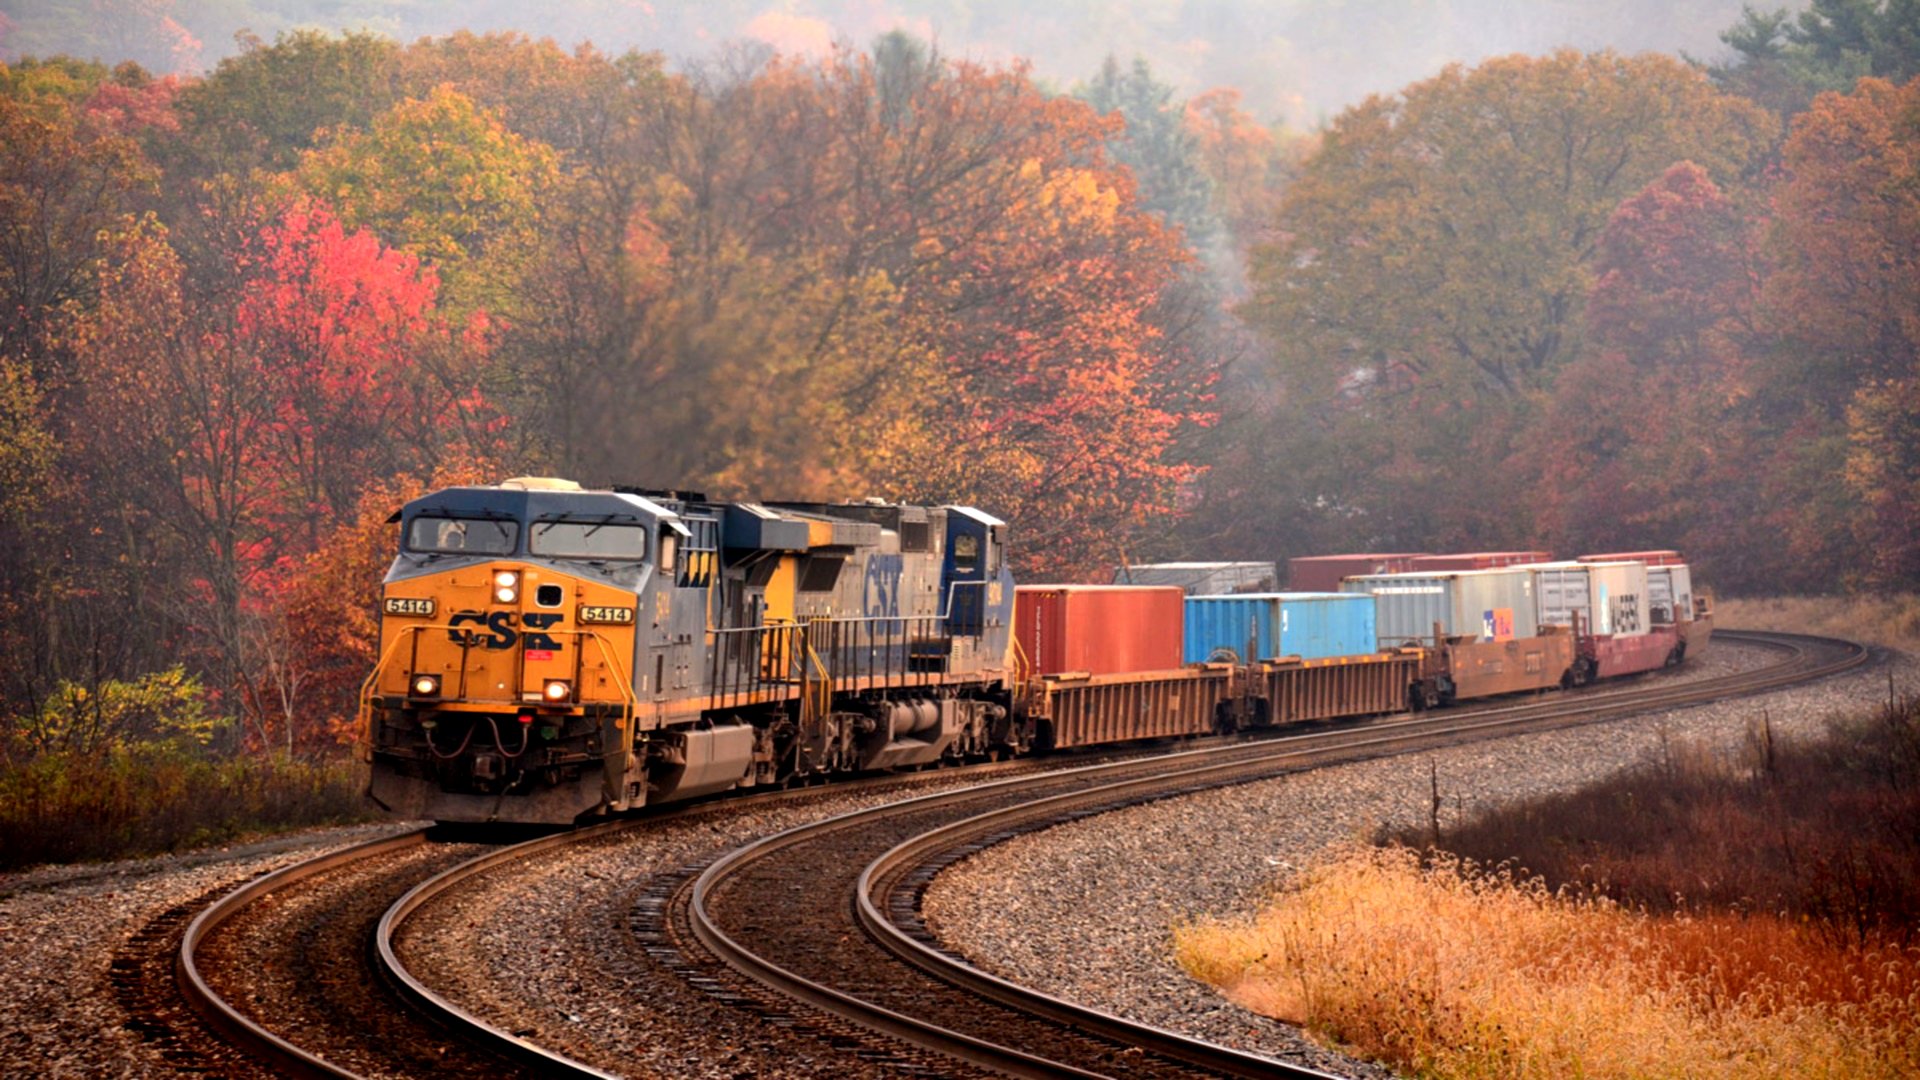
x,y
853,966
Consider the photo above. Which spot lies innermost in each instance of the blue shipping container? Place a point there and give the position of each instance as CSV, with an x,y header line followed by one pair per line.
x,y
1312,626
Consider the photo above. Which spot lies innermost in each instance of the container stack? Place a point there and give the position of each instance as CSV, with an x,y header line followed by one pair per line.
x,y
1268,626
1099,629
1478,560
1323,573
1478,605
1201,578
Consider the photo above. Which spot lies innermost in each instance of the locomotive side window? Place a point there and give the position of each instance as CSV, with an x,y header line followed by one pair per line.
x,y
467,536
587,540
966,553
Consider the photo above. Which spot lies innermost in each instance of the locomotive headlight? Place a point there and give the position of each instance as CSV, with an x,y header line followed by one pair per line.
x,y
558,690
506,586
426,686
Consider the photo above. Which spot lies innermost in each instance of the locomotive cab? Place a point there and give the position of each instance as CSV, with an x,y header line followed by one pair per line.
x,y
509,658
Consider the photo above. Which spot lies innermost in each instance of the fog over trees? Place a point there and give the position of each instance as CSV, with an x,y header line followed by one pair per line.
x,y
1298,61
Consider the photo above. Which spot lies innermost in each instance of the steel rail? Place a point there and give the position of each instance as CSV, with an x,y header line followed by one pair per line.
x,y
1240,768
456,1019
284,1057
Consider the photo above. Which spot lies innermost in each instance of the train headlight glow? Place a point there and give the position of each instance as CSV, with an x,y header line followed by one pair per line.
x,y
505,596
506,586
558,690
425,686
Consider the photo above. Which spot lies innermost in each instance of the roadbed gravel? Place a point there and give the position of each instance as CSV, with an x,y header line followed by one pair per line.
x,y
1086,910
61,925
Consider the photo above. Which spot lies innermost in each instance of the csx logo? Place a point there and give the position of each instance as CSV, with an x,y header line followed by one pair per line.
x,y
502,631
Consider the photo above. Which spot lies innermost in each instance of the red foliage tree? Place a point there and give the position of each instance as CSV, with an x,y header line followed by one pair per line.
x,y
242,425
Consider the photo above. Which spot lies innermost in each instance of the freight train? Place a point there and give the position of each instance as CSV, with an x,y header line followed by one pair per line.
x,y
550,653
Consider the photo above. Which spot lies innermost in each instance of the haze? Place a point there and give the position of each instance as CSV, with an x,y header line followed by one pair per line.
x,y
1297,61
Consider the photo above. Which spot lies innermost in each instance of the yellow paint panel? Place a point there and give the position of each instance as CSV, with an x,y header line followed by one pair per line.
x,y
819,533
780,590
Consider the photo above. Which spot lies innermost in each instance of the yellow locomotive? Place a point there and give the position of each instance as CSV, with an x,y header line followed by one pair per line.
x,y
549,652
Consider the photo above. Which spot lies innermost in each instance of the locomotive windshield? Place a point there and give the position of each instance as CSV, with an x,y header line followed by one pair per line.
x,y
587,540
464,536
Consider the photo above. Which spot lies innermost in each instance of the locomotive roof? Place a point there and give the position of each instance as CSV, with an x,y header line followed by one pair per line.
x,y
531,505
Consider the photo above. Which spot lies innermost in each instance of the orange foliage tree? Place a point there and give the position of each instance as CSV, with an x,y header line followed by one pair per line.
x,y
1845,298
1642,437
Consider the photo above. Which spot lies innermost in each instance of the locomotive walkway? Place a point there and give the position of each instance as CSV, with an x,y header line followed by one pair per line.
x,y
816,931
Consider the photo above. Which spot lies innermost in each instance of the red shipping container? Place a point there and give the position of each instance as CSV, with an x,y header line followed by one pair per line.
x,y
1100,629
1479,560
1651,558
1322,573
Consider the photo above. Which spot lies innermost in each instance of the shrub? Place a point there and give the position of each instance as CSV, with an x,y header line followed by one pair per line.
x,y
130,800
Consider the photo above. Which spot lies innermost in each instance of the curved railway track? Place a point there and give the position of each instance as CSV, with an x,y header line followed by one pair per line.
x,y
853,965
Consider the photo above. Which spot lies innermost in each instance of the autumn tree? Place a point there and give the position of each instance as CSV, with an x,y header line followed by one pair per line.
x,y
237,428
1845,298
445,181
1643,435
70,171
1247,162
265,106
1442,234
1427,284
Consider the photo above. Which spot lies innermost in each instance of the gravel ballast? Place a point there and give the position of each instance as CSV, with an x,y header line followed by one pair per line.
x,y
60,927
1086,910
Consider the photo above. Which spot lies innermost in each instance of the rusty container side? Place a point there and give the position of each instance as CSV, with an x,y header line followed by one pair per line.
x,y
1121,708
1479,560
1629,655
1344,686
1659,557
1322,573
1099,629
1483,669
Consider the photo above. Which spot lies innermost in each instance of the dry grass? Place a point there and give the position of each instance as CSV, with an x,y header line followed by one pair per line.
x,y
1753,913
1891,619
1447,971
1823,831
64,807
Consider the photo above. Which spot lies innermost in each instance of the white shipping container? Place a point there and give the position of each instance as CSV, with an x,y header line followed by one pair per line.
x,y
1610,598
1563,590
1682,576
1486,605
1670,593
1201,578
1621,606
